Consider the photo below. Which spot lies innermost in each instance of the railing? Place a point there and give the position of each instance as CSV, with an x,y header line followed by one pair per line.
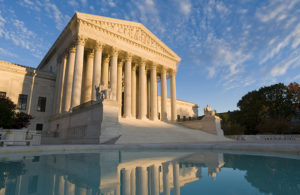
x,y
266,138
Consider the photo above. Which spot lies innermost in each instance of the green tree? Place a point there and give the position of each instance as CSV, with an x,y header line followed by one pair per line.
x,y
268,103
10,118
7,112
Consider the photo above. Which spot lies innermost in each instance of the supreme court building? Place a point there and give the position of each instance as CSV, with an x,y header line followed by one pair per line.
x,y
98,70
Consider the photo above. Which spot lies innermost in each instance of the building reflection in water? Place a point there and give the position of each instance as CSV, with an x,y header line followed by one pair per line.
x,y
113,173
134,173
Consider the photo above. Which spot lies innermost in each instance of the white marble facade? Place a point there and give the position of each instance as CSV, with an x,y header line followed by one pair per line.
x,y
94,51
120,55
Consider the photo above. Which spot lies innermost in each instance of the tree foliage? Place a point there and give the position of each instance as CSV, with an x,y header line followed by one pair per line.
x,y
265,111
10,118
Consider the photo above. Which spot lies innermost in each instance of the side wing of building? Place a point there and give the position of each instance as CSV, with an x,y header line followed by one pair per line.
x,y
32,91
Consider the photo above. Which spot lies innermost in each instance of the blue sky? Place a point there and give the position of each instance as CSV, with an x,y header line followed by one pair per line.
x,y
227,47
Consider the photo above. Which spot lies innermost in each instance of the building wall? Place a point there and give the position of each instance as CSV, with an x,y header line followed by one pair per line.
x,y
16,80
184,109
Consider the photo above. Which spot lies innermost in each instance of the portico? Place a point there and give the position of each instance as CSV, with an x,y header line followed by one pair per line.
x,y
118,55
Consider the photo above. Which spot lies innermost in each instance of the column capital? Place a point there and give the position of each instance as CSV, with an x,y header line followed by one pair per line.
x,y
72,49
172,72
120,63
153,66
114,51
134,67
143,62
90,53
81,40
98,46
128,57
106,58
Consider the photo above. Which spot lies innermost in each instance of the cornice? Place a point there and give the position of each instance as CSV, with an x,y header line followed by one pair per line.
x,y
132,41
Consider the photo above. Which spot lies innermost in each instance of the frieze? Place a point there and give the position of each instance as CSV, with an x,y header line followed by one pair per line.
x,y
134,34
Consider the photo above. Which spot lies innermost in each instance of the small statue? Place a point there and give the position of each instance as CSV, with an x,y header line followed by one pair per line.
x,y
97,92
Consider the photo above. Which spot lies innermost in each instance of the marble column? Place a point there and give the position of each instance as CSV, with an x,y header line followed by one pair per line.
x,y
148,94
57,85
153,93
97,69
104,75
113,73
61,185
163,100
166,179
66,103
176,179
78,68
133,92
173,95
141,177
119,86
62,82
142,91
155,180
125,186
69,188
88,78
133,181
127,91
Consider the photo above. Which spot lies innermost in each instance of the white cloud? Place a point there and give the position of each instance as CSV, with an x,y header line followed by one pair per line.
x,y
276,9
185,7
2,23
293,38
282,67
84,2
4,52
54,13
73,3
51,9
225,58
111,3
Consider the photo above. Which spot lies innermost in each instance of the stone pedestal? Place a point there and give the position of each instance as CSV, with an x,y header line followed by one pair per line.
x,y
110,127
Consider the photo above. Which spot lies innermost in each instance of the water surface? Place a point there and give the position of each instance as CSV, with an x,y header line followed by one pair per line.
x,y
149,172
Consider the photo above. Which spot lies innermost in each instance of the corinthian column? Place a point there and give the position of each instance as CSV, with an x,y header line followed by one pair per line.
x,y
127,93
77,78
163,88
142,90
176,179
133,92
153,93
97,69
68,80
104,75
88,78
119,86
173,96
113,73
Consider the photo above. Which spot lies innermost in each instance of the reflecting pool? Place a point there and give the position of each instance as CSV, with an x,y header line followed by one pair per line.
x,y
149,172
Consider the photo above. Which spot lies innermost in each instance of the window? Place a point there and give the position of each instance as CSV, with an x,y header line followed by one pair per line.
x,y
2,94
41,107
39,127
22,102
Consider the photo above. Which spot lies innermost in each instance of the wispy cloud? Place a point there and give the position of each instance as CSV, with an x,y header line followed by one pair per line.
x,y
5,52
281,68
51,9
292,39
275,10
185,7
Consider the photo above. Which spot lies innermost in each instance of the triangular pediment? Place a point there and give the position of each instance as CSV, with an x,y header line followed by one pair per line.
x,y
133,31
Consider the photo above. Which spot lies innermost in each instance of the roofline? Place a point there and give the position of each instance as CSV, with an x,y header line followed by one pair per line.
x,y
77,15
56,41
138,24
